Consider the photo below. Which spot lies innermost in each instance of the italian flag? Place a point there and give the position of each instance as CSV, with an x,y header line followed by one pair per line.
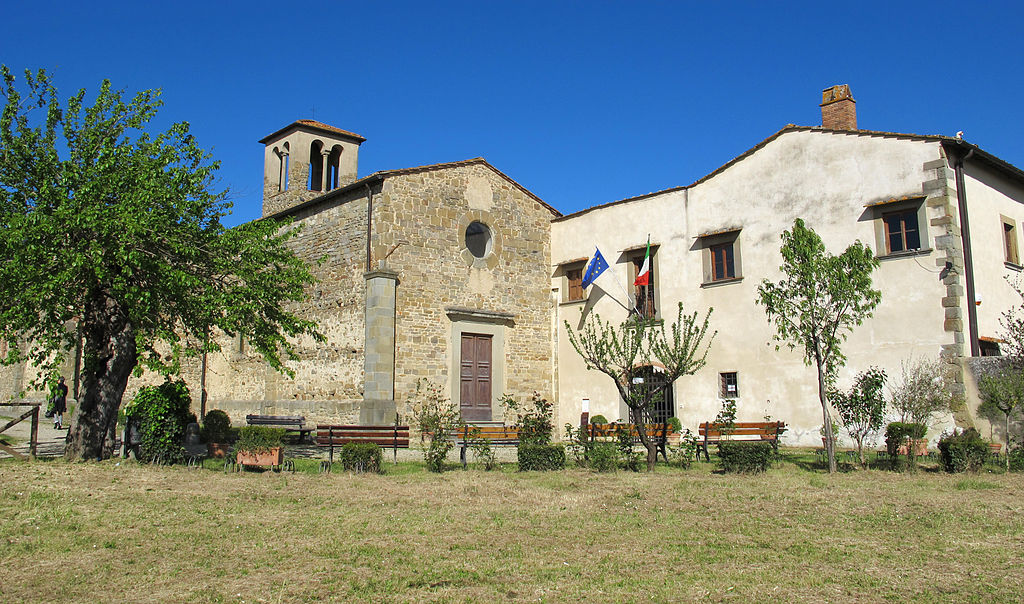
x,y
644,276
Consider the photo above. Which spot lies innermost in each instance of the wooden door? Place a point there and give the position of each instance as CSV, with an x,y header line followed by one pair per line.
x,y
475,377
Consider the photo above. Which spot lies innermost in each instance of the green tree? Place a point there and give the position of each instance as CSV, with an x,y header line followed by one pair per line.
x,y
1004,391
924,390
862,408
112,240
819,301
616,350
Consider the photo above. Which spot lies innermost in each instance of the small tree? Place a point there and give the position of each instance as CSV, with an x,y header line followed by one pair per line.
x,y
617,350
1003,391
862,408
818,303
923,391
438,419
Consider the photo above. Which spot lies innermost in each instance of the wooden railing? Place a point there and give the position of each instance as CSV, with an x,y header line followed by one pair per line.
x,y
34,434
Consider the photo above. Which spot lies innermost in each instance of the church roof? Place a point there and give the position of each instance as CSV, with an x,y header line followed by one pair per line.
x,y
316,126
962,149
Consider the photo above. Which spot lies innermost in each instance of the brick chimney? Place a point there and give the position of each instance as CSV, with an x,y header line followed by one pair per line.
x,y
838,109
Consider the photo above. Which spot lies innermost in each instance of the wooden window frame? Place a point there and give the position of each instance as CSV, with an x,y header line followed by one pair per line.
x,y
902,215
723,384
573,273
728,261
647,292
1010,249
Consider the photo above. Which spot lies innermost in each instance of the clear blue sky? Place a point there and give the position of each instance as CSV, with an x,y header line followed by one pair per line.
x,y
581,102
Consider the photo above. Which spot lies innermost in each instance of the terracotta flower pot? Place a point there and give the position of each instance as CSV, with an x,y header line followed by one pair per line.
x,y
217,450
271,457
920,448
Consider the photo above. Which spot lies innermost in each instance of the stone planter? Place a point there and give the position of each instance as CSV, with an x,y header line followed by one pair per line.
x,y
271,457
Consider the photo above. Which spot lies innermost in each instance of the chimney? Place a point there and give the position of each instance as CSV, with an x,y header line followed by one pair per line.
x,y
838,109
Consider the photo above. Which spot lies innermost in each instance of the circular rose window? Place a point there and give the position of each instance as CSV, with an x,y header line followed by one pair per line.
x,y
478,239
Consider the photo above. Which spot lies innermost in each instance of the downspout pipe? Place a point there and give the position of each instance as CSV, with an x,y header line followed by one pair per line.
x,y
965,236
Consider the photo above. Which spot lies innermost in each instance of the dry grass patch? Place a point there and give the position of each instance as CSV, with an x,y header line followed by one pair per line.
x,y
106,532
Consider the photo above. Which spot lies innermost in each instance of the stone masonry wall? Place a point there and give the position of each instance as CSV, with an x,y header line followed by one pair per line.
x,y
426,214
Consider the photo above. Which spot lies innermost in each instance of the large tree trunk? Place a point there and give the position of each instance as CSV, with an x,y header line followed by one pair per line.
x,y
109,356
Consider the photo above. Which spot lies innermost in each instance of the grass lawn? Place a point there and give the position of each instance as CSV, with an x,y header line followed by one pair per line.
x,y
108,532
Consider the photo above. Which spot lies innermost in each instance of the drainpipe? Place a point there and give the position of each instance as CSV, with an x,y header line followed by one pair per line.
x,y
965,235
369,225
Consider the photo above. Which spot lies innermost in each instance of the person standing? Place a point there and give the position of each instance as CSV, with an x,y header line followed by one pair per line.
x,y
60,403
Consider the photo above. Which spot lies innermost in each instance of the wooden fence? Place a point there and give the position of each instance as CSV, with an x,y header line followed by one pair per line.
x,y
34,434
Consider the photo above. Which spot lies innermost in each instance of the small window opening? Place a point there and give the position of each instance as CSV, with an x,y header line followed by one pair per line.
x,y
333,166
1010,241
901,231
478,239
730,385
316,167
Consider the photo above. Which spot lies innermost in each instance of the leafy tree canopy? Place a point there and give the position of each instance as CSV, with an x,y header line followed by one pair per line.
x,y
112,237
820,299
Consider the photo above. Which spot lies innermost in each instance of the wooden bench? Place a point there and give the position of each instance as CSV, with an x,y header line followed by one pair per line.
x,y
496,434
291,423
712,433
394,436
658,433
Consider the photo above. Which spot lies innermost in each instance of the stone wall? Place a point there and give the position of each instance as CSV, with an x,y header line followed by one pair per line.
x,y
425,214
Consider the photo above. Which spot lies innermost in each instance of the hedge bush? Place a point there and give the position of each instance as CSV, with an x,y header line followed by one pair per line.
x,y
1017,459
216,426
745,457
361,457
900,433
599,419
259,439
162,412
963,451
541,457
604,457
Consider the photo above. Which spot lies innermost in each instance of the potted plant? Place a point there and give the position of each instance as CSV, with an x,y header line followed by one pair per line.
x,y
216,432
259,446
835,434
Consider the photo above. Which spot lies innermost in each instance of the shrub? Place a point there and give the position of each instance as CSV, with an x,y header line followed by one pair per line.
x,y
482,450
162,413
578,444
541,457
437,453
599,419
1016,459
361,457
900,433
437,419
631,460
963,451
216,426
689,449
604,457
536,424
674,424
745,457
259,439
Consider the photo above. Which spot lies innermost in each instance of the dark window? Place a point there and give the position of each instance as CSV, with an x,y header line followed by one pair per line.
x,y
730,385
723,265
644,294
333,165
316,166
901,231
478,239
575,278
649,380
1010,242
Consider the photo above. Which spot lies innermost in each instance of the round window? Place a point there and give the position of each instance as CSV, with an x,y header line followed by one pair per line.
x,y
478,239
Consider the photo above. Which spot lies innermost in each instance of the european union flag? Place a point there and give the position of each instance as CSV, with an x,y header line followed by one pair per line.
x,y
597,266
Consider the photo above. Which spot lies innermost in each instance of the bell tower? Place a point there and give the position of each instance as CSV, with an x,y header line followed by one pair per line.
x,y
306,159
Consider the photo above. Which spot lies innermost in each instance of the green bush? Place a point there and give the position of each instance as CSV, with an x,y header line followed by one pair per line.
x,y
598,419
1017,459
216,426
162,413
541,457
689,449
361,457
745,457
604,457
259,439
963,451
674,424
437,453
900,433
